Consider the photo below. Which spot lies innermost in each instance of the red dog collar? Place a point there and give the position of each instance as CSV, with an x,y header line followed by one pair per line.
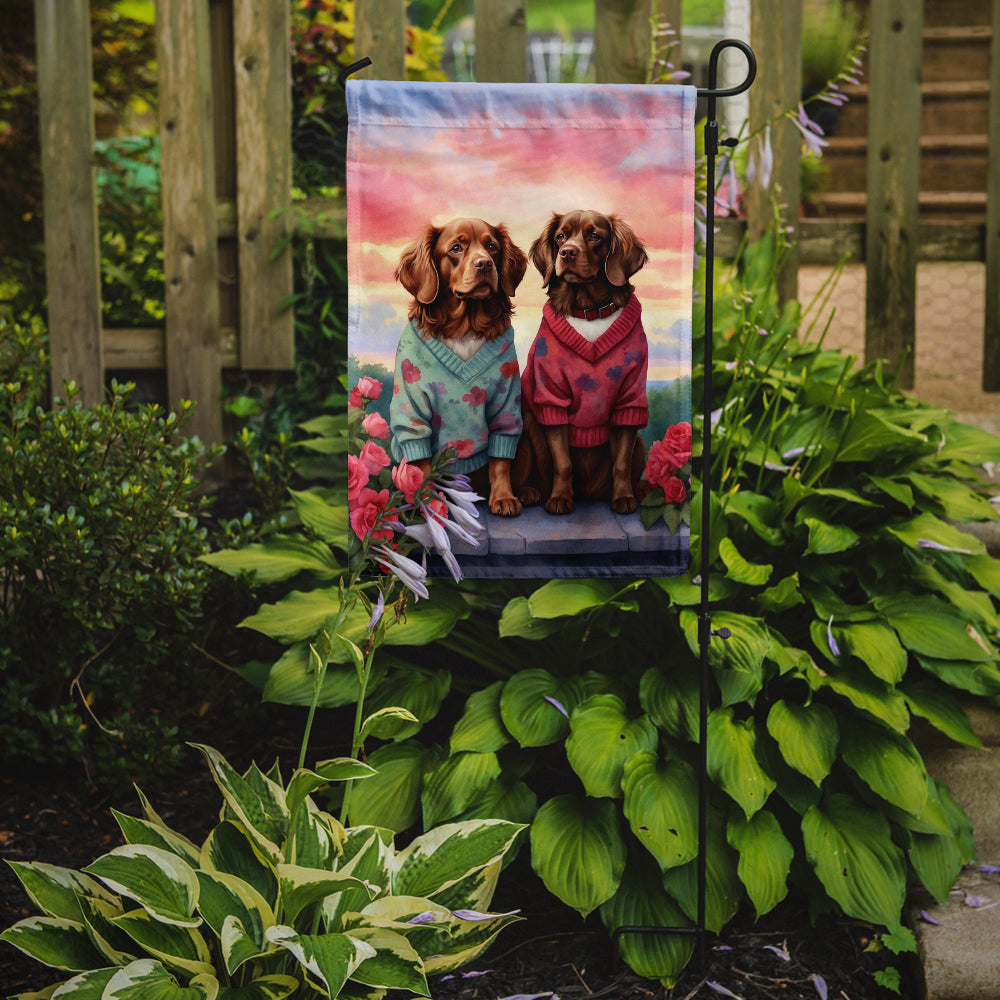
x,y
601,312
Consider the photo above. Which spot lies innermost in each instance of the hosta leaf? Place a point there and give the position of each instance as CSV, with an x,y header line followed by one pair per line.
x,y
517,620
986,571
783,595
279,558
230,849
418,691
957,501
864,691
876,646
765,858
661,799
456,784
301,887
827,539
54,941
274,987
481,728
291,680
738,661
641,901
888,763
928,528
938,705
391,798
304,782
850,848
530,706
758,511
602,738
180,948
141,831
86,986
560,598
366,855
329,521
260,806
723,889
932,628
732,760
869,436
739,569
807,736
159,881
395,964
516,803
443,856
937,859
671,700
225,897
56,891
147,979
976,678
330,959
466,941
577,850
390,723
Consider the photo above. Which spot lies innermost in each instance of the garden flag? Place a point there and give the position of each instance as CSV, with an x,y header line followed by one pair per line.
x,y
520,273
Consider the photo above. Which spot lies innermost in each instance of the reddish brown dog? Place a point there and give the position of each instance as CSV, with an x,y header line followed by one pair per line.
x,y
583,423
462,277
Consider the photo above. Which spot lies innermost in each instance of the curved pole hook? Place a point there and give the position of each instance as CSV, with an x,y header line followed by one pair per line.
x,y
353,68
713,69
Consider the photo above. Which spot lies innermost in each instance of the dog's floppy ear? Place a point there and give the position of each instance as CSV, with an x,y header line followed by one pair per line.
x,y
513,261
626,255
541,252
417,271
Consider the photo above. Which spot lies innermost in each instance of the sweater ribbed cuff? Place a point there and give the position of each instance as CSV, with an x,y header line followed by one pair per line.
x,y
630,416
503,445
552,415
415,449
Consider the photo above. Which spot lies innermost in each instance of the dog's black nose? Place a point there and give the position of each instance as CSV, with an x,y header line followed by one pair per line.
x,y
483,264
568,253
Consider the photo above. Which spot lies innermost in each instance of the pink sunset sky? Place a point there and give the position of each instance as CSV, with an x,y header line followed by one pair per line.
x,y
516,155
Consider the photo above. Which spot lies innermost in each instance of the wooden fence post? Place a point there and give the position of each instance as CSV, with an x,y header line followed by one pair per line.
x,y
72,254
776,35
501,41
190,251
991,331
380,34
892,214
262,61
622,40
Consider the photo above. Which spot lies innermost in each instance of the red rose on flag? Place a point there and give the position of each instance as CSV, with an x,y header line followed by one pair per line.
x,y
674,490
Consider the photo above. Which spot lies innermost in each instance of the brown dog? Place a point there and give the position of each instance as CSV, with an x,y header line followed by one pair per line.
x,y
457,379
584,381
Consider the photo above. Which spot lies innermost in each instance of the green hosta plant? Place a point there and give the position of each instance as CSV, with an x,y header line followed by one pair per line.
x,y
279,900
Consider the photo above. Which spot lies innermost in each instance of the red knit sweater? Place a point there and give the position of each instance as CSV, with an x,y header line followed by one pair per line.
x,y
590,386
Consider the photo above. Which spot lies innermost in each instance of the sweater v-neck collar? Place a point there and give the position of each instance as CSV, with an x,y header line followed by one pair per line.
x,y
484,359
614,334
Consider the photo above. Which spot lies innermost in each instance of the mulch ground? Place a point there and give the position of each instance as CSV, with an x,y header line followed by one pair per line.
x,y
551,953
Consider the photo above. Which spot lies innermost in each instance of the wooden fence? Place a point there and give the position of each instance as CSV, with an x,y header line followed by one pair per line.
x,y
226,161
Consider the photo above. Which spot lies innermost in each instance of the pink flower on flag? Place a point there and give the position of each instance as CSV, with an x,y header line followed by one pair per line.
x,y
374,457
375,425
357,478
407,479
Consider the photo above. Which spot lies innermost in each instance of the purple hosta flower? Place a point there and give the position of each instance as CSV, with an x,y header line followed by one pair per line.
x,y
377,612
760,166
719,988
427,917
820,983
927,543
989,869
811,132
780,952
834,648
465,975
410,573
531,996
431,535
475,915
552,701
927,918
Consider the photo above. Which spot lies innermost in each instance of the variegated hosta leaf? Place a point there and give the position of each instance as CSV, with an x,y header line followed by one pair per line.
x,y
578,851
535,706
54,941
395,964
238,944
481,727
56,891
765,858
366,855
315,838
602,737
274,987
177,947
723,889
304,782
329,959
807,736
850,847
256,801
441,857
888,763
732,760
147,979
142,831
391,799
642,902
466,941
158,880
99,915
86,986
227,897
418,691
300,887
230,849
456,784
661,805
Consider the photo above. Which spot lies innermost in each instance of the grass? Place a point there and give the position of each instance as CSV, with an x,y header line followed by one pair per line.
x,y
578,15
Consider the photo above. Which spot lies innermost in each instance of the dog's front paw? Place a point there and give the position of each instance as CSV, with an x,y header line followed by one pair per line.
x,y
530,496
625,504
505,506
559,504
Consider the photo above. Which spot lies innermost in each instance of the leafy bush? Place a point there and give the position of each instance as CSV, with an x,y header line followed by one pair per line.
x,y
280,899
854,604
101,584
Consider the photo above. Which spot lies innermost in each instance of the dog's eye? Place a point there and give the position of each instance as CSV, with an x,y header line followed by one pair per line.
x,y
594,238
492,247
455,248
560,237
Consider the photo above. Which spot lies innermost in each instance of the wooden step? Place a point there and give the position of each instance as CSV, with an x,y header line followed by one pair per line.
x,y
957,206
956,53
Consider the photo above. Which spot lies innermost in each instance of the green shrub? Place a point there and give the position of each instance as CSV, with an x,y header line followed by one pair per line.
x,y
101,584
